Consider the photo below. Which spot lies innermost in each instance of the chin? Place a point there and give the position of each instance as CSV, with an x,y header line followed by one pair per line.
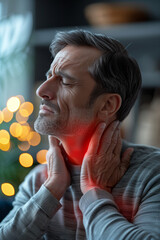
x,y
46,127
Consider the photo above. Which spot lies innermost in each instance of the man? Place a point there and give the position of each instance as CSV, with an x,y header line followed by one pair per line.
x,y
88,190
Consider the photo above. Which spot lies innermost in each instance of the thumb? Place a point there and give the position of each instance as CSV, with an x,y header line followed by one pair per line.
x,y
53,142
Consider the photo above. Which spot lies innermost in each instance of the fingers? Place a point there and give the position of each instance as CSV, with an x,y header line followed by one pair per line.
x,y
109,139
95,140
125,160
117,142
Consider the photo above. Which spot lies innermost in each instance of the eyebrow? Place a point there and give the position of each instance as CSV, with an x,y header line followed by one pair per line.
x,y
62,74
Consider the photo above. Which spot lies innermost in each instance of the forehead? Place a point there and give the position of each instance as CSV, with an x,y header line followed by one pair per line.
x,y
75,57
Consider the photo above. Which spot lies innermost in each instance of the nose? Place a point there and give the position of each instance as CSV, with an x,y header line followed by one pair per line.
x,y
47,90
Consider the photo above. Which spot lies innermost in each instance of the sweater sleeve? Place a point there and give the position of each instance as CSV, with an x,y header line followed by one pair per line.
x,y
103,220
30,215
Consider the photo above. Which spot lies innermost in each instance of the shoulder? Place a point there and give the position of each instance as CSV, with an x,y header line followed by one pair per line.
x,y
144,163
143,154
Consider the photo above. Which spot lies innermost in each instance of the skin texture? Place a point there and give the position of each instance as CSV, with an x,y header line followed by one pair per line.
x,y
102,166
88,134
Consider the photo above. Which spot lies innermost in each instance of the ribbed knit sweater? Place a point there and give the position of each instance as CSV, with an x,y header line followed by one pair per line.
x,y
130,212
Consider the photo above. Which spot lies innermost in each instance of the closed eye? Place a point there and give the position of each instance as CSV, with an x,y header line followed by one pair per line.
x,y
65,83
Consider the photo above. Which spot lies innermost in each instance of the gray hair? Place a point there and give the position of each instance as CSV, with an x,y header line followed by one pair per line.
x,y
114,71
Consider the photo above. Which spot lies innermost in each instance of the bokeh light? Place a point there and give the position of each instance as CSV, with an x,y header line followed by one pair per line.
x,y
5,147
1,117
7,189
21,98
4,137
7,115
24,146
13,104
20,118
26,160
25,132
41,156
15,129
34,138
26,109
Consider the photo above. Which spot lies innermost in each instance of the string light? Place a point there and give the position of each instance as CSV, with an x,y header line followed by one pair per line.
x,y
1,117
16,129
4,137
13,104
26,160
7,189
26,109
41,156
25,132
7,115
20,129
20,118
34,138
24,146
5,147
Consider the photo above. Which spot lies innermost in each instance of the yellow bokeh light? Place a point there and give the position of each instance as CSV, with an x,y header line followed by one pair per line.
x,y
26,109
7,189
4,137
25,132
7,115
1,117
26,160
15,129
34,138
41,156
5,147
13,104
20,118
24,146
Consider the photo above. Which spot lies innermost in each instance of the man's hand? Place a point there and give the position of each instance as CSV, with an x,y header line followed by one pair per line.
x,y
58,176
102,166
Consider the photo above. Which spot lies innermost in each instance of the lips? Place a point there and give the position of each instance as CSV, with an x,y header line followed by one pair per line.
x,y
46,108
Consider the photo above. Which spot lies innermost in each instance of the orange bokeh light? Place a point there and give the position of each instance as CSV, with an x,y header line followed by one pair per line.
x,y
1,117
16,129
5,147
7,115
7,189
21,98
26,160
24,146
34,138
26,109
41,156
25,132
20,118
4,137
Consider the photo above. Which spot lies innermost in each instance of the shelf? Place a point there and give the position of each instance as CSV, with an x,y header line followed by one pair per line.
x,y
122,32
142,41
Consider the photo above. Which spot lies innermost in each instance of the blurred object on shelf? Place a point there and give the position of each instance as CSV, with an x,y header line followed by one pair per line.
x,y
101,14
148,126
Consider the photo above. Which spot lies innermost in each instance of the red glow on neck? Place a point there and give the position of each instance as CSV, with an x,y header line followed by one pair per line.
x,y
75,147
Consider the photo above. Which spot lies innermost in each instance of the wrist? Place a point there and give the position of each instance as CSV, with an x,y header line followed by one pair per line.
x,y
57,188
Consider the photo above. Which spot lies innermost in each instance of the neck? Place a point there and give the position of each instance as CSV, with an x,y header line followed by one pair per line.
x,y
75,146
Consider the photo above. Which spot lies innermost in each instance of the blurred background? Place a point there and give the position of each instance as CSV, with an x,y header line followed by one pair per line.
x,y
26,31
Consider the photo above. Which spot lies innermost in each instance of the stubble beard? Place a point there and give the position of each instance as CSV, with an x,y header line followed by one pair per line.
x,y
46,126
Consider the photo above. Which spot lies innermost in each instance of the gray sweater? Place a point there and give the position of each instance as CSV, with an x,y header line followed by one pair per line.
x,y
130,212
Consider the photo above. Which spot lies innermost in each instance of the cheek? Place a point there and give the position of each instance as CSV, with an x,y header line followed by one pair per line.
x,y
63,104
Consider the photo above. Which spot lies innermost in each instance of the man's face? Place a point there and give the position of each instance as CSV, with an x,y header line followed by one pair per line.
x,y
65,109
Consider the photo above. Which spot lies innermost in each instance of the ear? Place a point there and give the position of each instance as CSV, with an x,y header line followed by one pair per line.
x,y
109,105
